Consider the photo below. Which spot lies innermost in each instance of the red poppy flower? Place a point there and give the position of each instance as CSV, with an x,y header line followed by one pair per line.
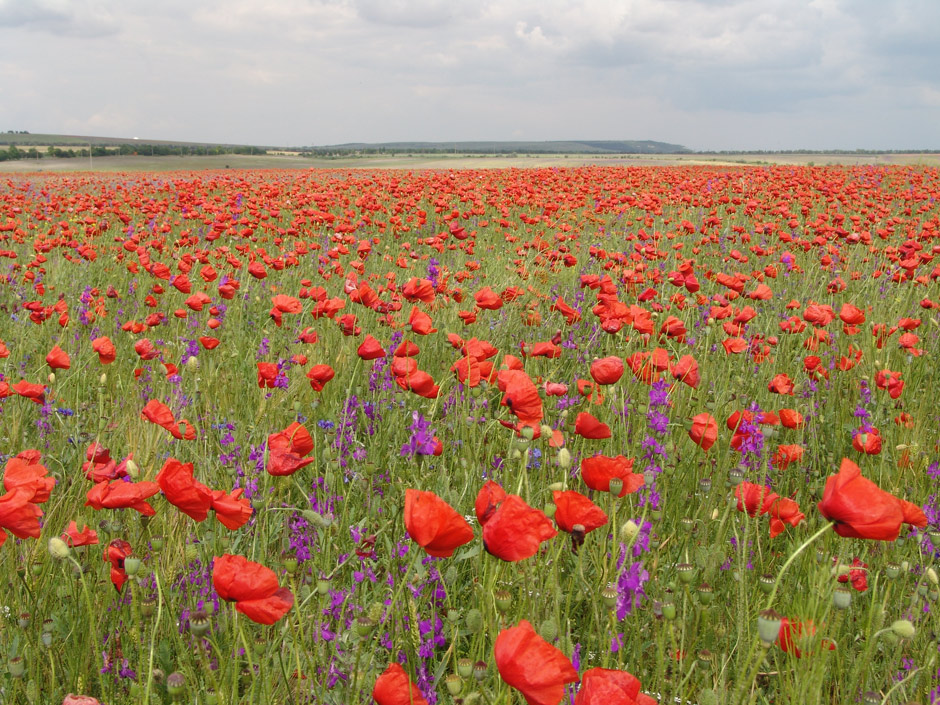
x,y
867,442
182,490
433,524
515,530
394,687
287,450
781,384
686,371
34,392
267,374
319,375
794,634
858,575
232,510
252,587
19,515
598,471
420,322
122,495
787,454
25,472
488,499
208,342
158,413
487,299
145,350
586,426
532,666
573,508
603,686
704,431
758,500
370,349
863,510
73,537
607,370
521,396
790,418
115,554
58,359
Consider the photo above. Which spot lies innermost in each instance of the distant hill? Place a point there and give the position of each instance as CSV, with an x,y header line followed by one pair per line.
x,y
505,147
28,139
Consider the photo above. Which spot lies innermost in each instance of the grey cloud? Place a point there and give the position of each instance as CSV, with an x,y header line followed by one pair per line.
x,y
59,17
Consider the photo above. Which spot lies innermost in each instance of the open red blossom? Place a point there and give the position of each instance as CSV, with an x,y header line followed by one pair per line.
x,y
122,495
158,413
434,525
686,371
267,374
287,450
867,442
598,471
115,554
252,587
573,508
58,359
757,500
515,530
790,418
857,574
19,515
25,472
232,510
532,666
795,634
863,510
73,537
604,686
787,454
370,349
521,396
704,431
781,384
587,426
34,392
488,499
607,370
319,375
182,490
394,687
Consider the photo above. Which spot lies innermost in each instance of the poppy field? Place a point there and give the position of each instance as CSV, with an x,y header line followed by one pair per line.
x,y
589,435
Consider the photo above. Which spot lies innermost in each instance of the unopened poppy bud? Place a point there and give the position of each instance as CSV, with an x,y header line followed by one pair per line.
x,y
175,683
133,470
503,600
192,363
549,510
609,596
528,433
58,549
616,486
464,667
556,487
548,630
841,598
932,575
52,378
474,620
904,628
454,684
628,531
199,623
16,666
103,379
564,458
546,430
768,626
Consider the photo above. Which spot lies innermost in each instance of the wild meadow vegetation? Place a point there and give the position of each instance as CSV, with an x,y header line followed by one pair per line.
x,y
564,435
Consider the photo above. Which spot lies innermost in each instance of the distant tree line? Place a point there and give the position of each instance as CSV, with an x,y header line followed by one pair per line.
x,y
155,150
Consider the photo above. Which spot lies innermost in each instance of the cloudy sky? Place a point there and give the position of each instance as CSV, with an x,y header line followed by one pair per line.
x,y
708,74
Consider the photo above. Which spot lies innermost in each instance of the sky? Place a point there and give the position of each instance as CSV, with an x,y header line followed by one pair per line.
x,y
706,74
